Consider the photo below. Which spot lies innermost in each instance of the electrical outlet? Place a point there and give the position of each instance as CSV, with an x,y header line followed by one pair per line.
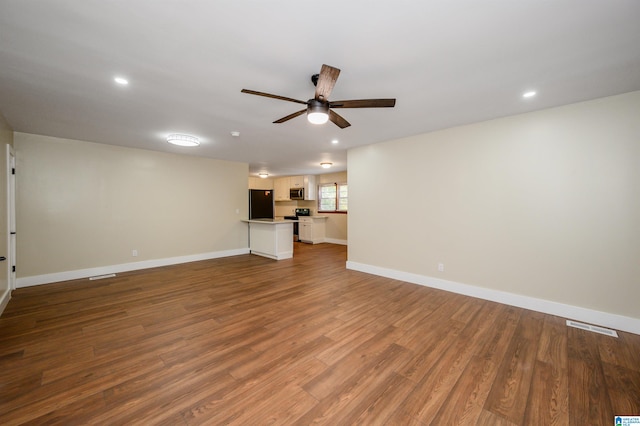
x,y
134,253
441,267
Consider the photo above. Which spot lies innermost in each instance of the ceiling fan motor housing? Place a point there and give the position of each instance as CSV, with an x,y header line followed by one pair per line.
x,y
314,105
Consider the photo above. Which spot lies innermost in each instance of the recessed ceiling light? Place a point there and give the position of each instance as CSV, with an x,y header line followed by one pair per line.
x,y
529,94
335,141
263,175
326,165
121,81
235,133
183,140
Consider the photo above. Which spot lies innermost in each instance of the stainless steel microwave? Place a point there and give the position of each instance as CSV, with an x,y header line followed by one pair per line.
x,y
296,193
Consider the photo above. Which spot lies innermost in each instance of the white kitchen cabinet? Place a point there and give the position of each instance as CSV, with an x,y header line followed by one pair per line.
x,y
296,182
281,187
271,238
311,229
305,230
310,189
260,183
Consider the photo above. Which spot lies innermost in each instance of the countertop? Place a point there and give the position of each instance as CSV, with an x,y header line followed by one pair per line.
x,y
300,217
270,221
281,219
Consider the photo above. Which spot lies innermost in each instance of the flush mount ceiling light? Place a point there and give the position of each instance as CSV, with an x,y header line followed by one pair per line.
x,y
335,141
326,165
121,81
183,140
317,112
529,94
263,175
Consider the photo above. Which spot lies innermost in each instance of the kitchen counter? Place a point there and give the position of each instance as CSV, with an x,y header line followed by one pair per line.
x,y
270,221
272,238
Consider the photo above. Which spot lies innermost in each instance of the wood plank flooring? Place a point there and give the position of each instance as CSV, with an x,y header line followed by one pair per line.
x,y
248,341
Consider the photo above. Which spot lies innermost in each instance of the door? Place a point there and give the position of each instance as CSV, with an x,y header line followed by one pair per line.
x,y
5,261
11,172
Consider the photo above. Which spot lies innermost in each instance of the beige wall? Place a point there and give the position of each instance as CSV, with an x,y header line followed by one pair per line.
x,y
544,204
85,205
288,208
6,138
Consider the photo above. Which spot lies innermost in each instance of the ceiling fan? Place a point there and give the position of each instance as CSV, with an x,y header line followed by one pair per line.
x,y
320,109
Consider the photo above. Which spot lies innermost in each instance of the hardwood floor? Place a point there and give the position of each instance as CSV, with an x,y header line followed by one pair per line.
x,y
246,340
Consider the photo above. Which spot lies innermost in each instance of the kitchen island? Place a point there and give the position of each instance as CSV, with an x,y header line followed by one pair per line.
x,y
272,238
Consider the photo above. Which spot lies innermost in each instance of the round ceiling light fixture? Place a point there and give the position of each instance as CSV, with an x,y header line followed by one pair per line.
x,y
183,140
326,165
263,175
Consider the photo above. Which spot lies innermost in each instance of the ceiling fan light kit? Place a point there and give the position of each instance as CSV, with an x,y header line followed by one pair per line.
x,y
317,112
319,109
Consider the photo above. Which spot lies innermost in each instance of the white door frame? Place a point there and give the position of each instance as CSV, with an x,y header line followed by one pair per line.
x,y
11,217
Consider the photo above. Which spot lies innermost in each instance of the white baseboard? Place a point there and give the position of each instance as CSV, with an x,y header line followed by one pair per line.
x,y
4,300
280,256
335,241
124,267
618,322
325,240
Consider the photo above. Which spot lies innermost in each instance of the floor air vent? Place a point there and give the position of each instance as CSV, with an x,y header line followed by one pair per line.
x,y
102,277
594,328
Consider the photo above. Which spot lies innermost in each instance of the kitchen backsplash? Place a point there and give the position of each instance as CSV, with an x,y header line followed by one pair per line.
x,y
287,208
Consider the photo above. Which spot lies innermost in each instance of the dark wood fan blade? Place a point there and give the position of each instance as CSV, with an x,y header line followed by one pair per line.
x,y
290,116
326,81
338,120
364,103
268,95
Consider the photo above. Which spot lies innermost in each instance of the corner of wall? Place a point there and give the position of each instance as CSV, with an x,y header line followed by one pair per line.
x,y
4,300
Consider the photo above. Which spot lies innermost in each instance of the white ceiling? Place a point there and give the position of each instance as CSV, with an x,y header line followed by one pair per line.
x,y
447,62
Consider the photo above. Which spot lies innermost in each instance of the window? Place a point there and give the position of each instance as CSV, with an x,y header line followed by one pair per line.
x,y
333,197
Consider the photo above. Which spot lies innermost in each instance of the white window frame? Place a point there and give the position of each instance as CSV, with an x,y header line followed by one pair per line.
x,y
337,199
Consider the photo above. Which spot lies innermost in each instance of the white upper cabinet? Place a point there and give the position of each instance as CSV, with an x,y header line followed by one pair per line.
x,y
260,183
310,189
281,187
296,181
